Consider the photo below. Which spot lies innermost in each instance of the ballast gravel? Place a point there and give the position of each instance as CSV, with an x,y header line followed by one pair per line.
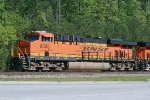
x,y
69,74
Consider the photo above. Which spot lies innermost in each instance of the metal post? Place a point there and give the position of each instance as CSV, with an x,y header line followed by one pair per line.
x,y
97,55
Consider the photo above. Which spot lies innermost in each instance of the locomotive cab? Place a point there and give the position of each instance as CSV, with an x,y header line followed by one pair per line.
x,y
31,43
35,45
32,37
24,46
40,43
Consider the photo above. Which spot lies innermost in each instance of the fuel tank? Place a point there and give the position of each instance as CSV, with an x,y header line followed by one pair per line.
x,y
89,66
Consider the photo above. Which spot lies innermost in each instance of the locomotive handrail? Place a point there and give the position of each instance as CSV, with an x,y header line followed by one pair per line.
x,y
20,51
24,56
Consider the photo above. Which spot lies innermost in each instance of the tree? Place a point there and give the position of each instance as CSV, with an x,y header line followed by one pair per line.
x,y
136,21
2,11
7,39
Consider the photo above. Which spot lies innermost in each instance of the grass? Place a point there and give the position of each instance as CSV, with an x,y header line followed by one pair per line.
x,y
101,78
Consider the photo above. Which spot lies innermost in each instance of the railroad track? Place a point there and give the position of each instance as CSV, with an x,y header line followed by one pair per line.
x,y
79,72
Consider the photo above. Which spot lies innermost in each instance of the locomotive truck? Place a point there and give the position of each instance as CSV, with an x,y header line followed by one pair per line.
x,y
43,51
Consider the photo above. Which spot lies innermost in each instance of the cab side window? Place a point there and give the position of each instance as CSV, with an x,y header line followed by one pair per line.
x,y
47,39
43,38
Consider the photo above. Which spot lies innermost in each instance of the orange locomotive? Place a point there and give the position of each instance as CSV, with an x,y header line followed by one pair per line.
x,y
143,55
46,51
143,51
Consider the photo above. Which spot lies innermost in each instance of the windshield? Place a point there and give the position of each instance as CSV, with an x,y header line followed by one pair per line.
x,y
32,38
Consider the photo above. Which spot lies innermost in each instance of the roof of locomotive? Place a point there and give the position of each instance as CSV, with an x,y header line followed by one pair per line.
x,y
121,42
77,38
140,43
147,43
43,33
67,37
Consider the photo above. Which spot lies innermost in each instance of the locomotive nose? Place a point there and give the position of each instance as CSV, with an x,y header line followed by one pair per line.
x,y
23,47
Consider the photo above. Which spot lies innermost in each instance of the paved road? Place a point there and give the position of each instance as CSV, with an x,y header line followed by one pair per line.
x,y
75,91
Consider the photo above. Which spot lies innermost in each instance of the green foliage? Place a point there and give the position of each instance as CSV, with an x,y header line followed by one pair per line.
x,y
2,10
7,39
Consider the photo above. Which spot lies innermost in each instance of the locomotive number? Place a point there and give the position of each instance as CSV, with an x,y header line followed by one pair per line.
x,y
44,46
95,49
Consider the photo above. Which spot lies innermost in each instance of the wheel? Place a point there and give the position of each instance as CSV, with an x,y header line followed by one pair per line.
x,y
18,65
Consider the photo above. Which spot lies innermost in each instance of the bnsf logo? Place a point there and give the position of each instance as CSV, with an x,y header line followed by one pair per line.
x,y
44,46
95,49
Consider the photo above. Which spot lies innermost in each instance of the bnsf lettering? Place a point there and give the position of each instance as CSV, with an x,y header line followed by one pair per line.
x,y
95,49
44,46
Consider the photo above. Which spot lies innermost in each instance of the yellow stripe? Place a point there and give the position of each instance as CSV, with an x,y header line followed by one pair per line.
x,y
72,55
42,54
66,56
104,45
33,54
